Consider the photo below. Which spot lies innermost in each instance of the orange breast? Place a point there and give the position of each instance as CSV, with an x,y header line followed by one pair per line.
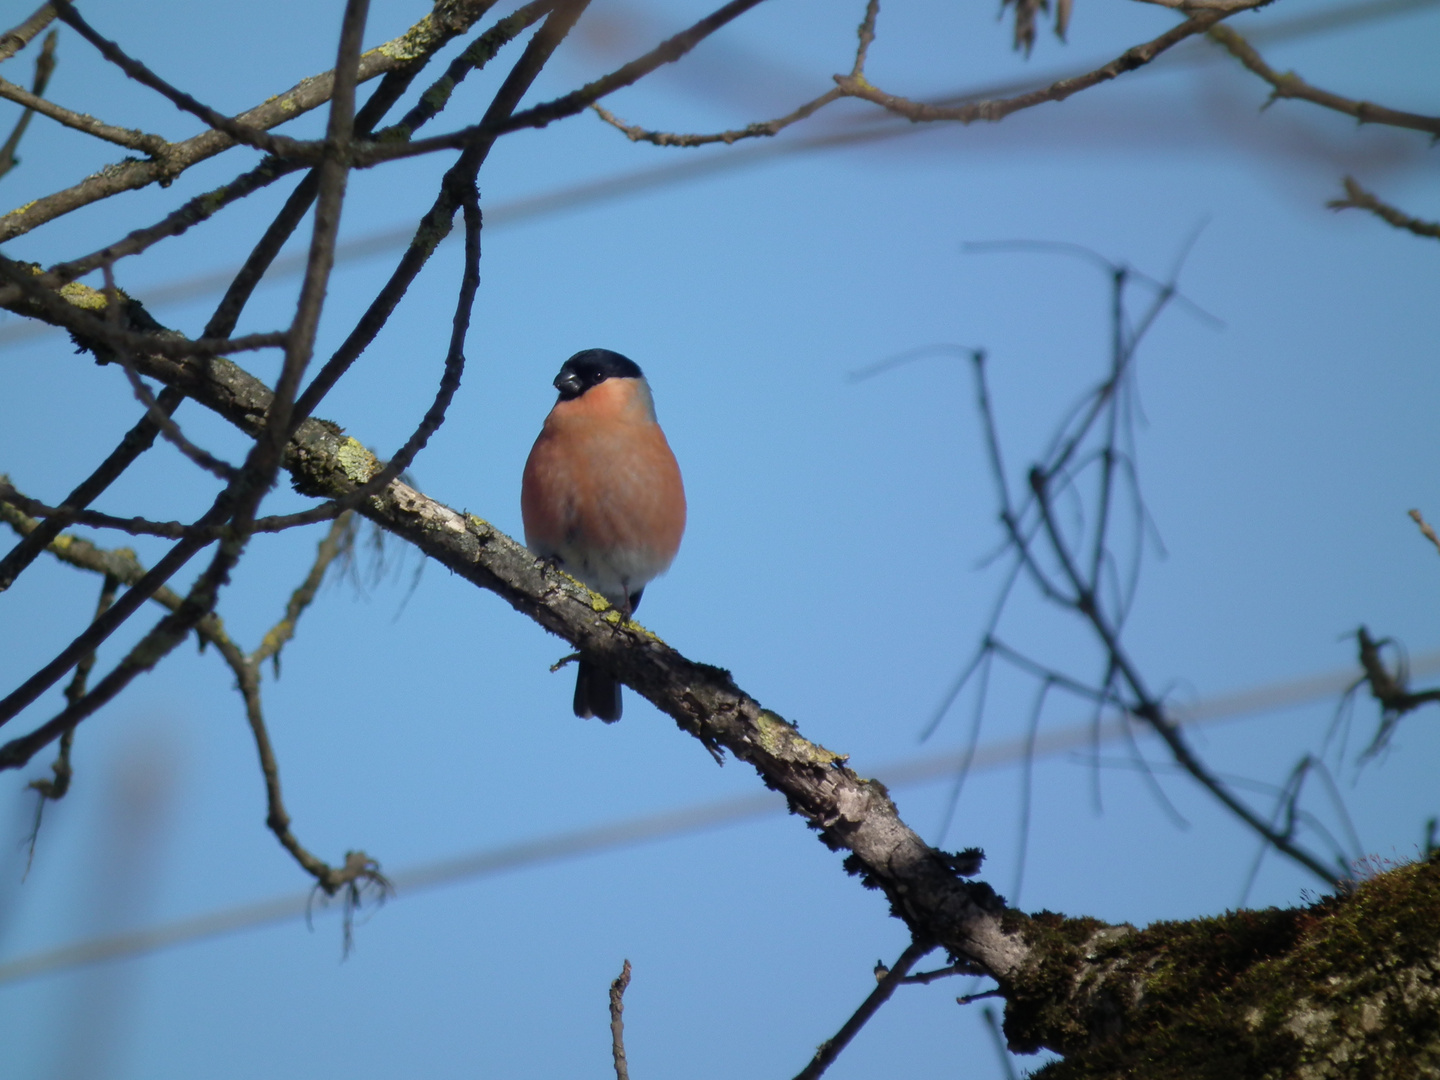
x,y
602,491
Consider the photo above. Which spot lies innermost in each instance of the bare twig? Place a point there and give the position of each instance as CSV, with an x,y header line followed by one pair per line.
x,y
1425,528
131,138
1037,542
764,128
248,135
277,636
437,221
491,128
136,441
479,53
831,1048
866,34
242,286
401,53
44,65
617,1023
999,108
333,173
20,751
358,873
925,978
162,419
12,41
1357,198
135,526
1390,689
55,788
1290,85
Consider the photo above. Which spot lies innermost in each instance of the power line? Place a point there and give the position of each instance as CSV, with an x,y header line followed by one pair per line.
x,y
671,823
856,132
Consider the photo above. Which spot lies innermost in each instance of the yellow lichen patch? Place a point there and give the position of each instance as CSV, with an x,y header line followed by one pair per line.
x,y
779,738
635,628
410,45
83,296
21,209
477,522
358,463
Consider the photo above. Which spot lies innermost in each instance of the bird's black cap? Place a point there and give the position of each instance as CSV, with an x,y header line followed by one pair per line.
x,y
592,367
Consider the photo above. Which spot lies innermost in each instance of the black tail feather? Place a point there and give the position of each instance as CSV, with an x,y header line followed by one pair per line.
x,y
596,693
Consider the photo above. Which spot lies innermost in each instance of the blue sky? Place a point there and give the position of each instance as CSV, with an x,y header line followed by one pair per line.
x,y
830,561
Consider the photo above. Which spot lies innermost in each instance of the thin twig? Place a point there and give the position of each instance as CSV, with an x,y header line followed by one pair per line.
x,y
1425,528
44,65
830,1049
277,636
242,286
135,526
435,225
761,129
136,441
162,419
454,362
12,41
866,34
279,145
402,53
1391,690
358,872
617,1023
999,108
333,173
55,788
1290,85
1357,198
141,526
71,305
491,128
476,55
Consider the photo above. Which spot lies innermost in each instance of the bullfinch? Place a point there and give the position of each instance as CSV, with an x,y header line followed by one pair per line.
x,y
602,496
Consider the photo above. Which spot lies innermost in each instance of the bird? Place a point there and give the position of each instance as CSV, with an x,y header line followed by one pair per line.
x,y
601,496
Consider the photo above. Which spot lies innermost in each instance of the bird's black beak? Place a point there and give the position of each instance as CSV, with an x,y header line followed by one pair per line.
x,y
569,385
